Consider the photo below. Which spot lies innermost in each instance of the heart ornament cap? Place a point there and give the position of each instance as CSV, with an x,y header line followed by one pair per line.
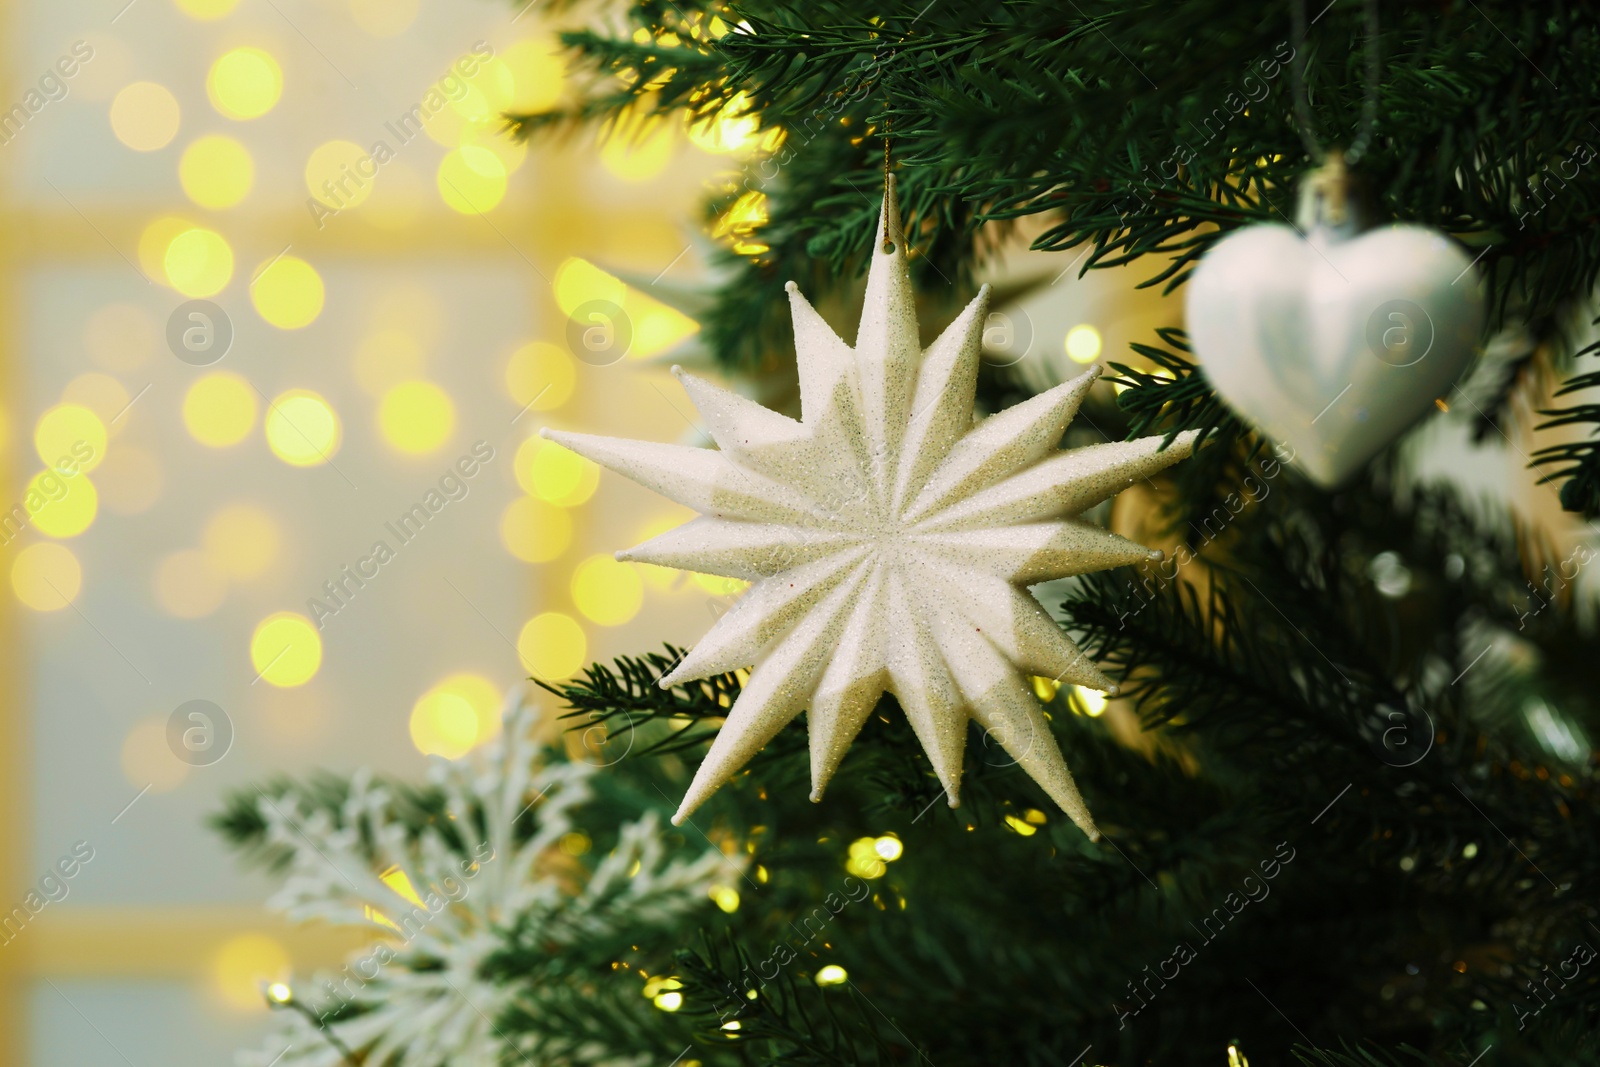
x,y
1331,339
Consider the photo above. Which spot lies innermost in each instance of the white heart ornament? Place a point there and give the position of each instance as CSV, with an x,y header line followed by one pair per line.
x,y
1333,345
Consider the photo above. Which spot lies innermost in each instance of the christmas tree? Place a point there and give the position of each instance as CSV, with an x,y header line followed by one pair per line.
x,y
1343,786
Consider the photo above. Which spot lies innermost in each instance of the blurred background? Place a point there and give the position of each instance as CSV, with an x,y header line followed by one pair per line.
x,y
283,314
272,344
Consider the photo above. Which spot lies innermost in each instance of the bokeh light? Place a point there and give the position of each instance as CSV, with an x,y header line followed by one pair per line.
x,y
302,429
638,151
608,592
241,541
198,262
552,645
729,129
46,576
187,585
489,92
538,72
154,241
416,417
244,83
472,180
216,172
535,531
579,282
286,650
146,759
831,975
70,435
145,116
246,963
1092,701
340,174
553,474
656,327
443,724
492,137
482,695
541,376
206,10
1083,343
288,293
384,18
219,409
61,507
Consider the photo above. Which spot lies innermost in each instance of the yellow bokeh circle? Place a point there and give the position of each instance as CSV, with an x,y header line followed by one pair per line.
x,y
246,963
443,724
244,83
216,171
579,282
46,576
302,428
219,409
538,72
482,694
61,507
70,435
541,376
154,241
206,10
1083,343
552,645
286,649
638,151
241,541
462,711
340,174
198,262
472,180
288,293
416,417
553,474
535,531
145,116
606,591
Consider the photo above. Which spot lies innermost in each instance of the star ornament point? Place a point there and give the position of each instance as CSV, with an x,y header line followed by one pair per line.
x,y
889,541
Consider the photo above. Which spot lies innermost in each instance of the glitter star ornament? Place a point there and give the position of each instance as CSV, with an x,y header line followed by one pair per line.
x,y
889,540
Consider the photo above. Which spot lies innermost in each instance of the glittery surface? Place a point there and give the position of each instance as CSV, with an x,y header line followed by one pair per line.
x,y
889,541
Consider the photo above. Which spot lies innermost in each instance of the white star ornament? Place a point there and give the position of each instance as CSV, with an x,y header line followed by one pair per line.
x,y
889,539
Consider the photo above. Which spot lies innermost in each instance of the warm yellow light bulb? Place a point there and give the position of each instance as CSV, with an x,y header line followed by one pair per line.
x,y
1083,343
832,974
